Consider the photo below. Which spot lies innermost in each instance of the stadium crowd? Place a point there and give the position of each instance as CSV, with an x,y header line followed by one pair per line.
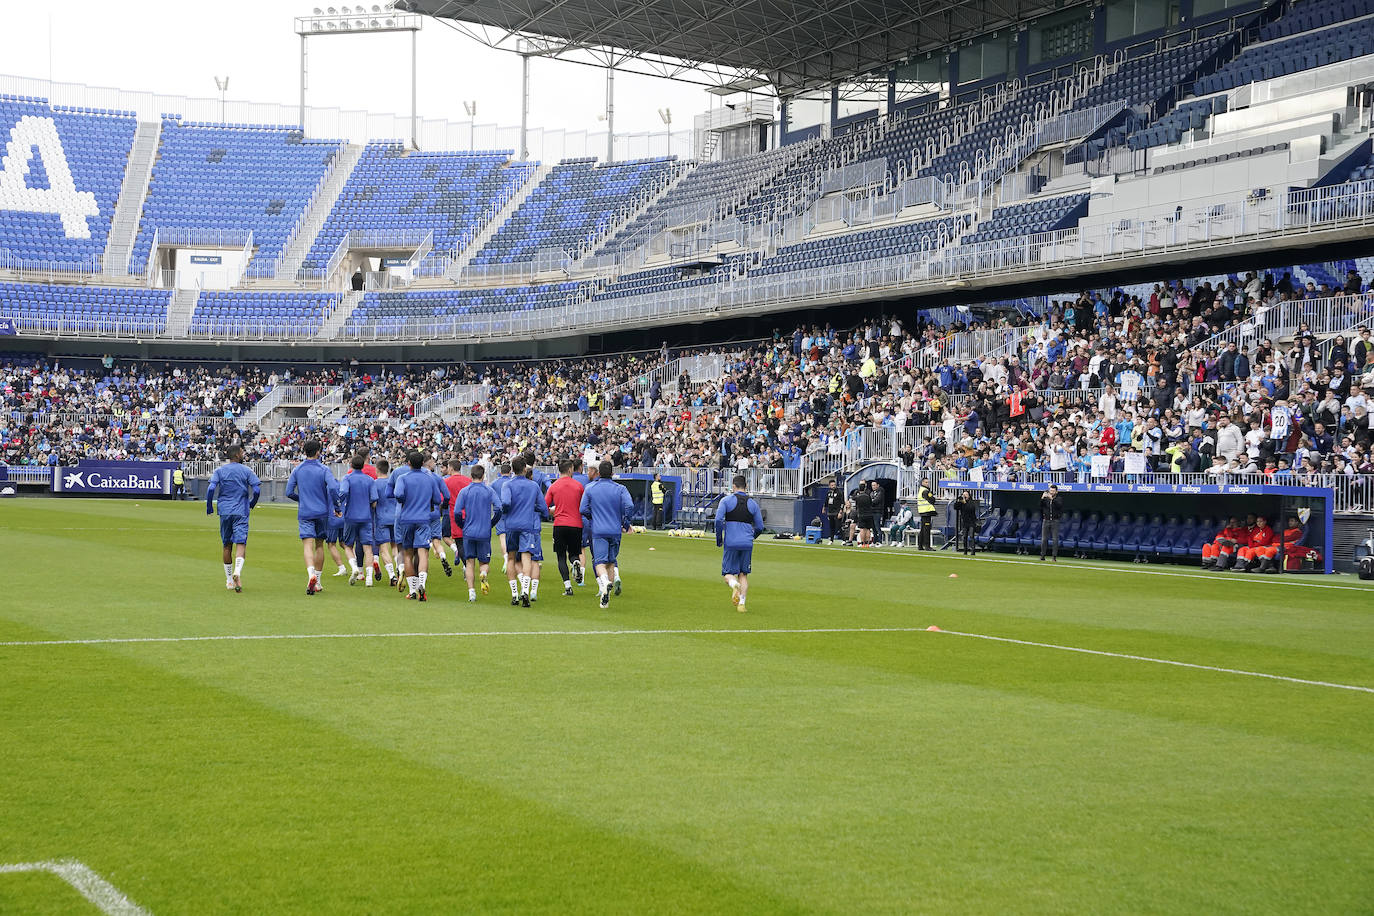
x,y
1104,373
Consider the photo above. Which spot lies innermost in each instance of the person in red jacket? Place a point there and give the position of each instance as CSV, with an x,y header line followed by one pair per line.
x,y
565,499
1295,553
1221,553
1262,550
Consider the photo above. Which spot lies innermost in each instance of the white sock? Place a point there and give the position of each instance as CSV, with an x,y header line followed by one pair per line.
x,y
342,569
310,571
567,584
424,577
390,570
472,593
413,582
602,583
534,588
617,577
369,575
732,581
228,571
352,565
524,584
238,565
514,589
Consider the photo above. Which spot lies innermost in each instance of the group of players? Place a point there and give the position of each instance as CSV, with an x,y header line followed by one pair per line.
x,y
399,518
1253,546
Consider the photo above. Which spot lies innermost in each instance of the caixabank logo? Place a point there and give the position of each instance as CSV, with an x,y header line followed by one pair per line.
x,y
112,480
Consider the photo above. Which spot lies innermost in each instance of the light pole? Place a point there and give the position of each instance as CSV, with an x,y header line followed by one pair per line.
x,y
666,116
360,19
523,48
471,109
223,86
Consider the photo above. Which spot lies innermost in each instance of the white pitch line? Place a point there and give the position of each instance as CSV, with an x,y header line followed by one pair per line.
x,y
104,895
1159,661
487,634
1254,579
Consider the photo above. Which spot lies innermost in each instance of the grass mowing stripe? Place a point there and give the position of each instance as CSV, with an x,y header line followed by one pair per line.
x,y
478,634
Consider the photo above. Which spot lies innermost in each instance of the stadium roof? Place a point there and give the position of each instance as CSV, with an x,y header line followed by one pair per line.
x,y
796,45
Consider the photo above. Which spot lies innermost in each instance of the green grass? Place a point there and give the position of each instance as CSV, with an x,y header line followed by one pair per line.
x,y
689,772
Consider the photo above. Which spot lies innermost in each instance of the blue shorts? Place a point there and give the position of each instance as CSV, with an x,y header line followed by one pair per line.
x,y
478,549
233,529
736,560
357,533
525,542
334,530
446,525
314,528
586,536
499,527
381,534
412,535
605,550
436,529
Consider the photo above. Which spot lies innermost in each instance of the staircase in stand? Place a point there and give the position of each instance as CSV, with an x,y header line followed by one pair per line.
x,y
339,317
180,312
129,208
480,240
314,219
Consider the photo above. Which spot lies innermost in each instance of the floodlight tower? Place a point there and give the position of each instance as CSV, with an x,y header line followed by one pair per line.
x,y
223,86
360,19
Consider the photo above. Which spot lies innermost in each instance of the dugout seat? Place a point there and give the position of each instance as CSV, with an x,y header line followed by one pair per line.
x,y
989,528
1105,533
1187,532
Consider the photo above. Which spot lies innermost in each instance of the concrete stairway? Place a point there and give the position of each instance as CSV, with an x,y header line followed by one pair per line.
x,y
496,222
181,310
132,193
339,317
315,217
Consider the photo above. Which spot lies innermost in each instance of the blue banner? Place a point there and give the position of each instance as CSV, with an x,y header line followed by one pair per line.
x,y
114,479
1185,489
7,328
206,259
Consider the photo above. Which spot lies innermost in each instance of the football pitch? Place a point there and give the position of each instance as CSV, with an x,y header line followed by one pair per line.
x,y
352,752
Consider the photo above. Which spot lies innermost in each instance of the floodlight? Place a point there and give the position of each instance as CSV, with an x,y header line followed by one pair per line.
x,y
318,11
333,25
376,24
376,8
315,27
390,23
359,24
332,11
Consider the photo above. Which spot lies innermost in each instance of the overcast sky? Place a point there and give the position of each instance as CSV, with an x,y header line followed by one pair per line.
x,y
180,46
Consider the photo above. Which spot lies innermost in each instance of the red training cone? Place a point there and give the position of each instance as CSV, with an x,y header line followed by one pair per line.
x,y
933,629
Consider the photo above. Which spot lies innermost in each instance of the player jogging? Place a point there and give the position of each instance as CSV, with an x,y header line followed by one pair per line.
x,y
474,511
437,517
417,494
738,522
358,499
565,499
312,488
384,519
522,503
402,470
236,489
499,487
607,507
453,532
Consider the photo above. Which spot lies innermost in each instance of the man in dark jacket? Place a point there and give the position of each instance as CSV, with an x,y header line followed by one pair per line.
x,y
1051,511
966,515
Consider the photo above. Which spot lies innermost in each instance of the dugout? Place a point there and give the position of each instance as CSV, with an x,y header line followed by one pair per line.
x,y
638,485
1201,508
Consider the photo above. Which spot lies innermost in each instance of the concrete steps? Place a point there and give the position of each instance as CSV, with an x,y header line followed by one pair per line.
x,y
132,193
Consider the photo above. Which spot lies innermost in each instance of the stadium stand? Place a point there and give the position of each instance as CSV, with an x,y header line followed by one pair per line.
x,y
381,313
575,205
213,178
263,313
90,310
1030,218
95,145
1301,50
394,191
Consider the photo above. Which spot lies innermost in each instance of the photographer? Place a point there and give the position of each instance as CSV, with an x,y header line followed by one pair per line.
x,y
966,518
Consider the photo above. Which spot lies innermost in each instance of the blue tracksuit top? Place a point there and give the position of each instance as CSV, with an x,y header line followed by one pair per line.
x,y
396,477
235,488
476,503
313,488
437,512
357,493
523,505
607,506
738,521
386,501
418,493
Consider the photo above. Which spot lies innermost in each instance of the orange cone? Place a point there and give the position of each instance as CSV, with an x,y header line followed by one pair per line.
x,y
954,575
933,629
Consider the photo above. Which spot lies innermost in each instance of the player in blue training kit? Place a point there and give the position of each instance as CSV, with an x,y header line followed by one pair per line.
x,y
498,486
236,489
401,471
475,509
314,490
436,518
358,500
417,493
384,519
738,522
607,508
524,509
